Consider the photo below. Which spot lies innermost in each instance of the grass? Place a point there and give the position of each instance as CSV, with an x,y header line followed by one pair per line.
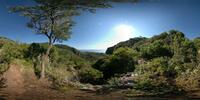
x,y
24,64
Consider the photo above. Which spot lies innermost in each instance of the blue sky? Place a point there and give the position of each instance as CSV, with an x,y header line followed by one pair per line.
x,y
110,26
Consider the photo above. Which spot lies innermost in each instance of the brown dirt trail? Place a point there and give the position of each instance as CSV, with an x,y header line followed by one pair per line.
x,y
22,84
14,81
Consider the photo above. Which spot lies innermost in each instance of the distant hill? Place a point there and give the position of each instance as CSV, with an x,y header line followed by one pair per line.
x,y
87,56
94,50
4,40
129,43
70,54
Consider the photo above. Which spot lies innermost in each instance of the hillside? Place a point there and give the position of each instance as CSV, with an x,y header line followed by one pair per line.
x,y
166,38
65,60
129,43
163,64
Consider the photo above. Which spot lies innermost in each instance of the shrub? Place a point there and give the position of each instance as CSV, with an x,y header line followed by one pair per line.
x,y
158,67
11,51
155,49
114,81
34,50
90,75
59,76
3,68
122,61
190,80
155,85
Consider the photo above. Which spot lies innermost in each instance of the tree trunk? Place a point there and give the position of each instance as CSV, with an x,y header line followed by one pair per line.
x,y
45,61
42,73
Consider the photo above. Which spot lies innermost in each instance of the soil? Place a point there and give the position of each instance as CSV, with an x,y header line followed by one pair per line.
x,y
22,84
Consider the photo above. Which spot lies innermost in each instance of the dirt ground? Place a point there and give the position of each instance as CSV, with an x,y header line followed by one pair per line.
x,y
23,85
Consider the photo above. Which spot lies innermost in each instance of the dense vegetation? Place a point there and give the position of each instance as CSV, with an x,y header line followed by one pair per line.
x,y
67,64
165,63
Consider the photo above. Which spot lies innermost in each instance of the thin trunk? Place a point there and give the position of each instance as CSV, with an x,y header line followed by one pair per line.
x,y
45,61
45,58
42,73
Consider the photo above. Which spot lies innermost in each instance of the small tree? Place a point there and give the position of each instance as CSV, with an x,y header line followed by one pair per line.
x,y
50,18
122,61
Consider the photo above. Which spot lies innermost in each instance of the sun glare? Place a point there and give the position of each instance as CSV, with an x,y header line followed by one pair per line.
x,y
123,32
120,33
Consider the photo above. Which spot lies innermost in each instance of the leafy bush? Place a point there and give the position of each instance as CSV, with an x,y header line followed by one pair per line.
x,y
8,52
155,49
196,42
59,76
11,51
185,54
158,67
34,50
190,80
90,75
120,62
156,76
3,68
114,81
158,85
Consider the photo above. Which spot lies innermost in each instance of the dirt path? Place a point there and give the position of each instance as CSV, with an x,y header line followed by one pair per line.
x,y
23,85
14,81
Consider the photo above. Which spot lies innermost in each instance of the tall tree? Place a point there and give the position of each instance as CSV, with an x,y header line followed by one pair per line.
x,y
50,18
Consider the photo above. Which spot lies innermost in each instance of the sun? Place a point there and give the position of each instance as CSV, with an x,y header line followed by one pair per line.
x,y
123,32
119,33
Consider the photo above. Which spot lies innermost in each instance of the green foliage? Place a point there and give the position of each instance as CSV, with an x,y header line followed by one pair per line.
x,y
10,51
64,56
185,53
197,42
90,75
189,80
59,76
156,76
158,66
120,62
197,45
49,18
34,50
164,63
130,43
183,49
114,81
3,68
155,49
161,36
123,61
157,85
92,57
